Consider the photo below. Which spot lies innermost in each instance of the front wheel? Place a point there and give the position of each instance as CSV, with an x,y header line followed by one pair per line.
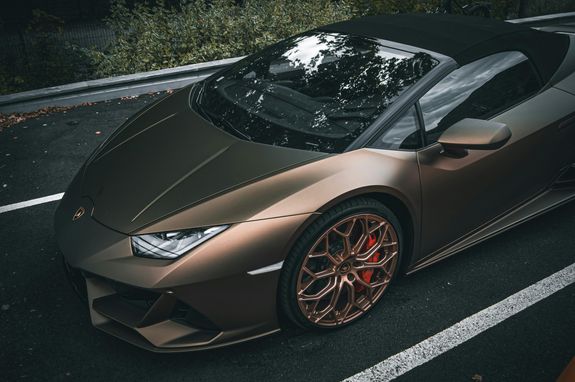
x,y
342,265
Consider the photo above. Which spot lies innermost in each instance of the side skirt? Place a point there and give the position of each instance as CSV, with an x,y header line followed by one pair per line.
x,y
542,203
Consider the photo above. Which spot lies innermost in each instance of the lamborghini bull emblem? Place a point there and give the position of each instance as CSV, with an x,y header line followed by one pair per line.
x,y
79,213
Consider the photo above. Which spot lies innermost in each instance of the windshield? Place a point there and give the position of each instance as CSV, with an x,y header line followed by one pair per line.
x,y
317,91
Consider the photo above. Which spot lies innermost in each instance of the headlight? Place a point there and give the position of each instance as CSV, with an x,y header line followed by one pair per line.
x,y
171,245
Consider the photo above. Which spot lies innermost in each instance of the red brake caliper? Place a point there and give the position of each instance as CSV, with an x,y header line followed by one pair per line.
x,y
368,273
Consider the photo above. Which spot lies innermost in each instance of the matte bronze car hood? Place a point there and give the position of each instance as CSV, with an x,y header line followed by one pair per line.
x,y
168,158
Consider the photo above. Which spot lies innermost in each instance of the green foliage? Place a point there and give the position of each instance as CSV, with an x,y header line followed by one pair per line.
x,y
540,7
53,61
154,35
151,37
374,7
48,59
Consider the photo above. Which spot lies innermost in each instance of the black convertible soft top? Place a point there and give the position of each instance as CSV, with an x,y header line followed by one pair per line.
x,y
463,38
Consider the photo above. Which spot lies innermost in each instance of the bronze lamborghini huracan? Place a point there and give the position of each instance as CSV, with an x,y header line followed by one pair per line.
x,y
300,181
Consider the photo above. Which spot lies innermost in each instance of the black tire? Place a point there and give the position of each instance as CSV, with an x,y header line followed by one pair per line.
x,y
287,290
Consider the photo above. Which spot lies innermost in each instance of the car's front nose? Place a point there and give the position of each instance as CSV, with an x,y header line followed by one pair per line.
x,y
207,298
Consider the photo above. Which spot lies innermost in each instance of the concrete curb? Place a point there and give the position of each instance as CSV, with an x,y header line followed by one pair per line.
x,y
534,21
110,88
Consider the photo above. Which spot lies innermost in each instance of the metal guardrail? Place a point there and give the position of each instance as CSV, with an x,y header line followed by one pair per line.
x,y
154,81
110,88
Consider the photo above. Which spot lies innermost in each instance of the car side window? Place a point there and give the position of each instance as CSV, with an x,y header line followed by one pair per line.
x,y
402,135
479,90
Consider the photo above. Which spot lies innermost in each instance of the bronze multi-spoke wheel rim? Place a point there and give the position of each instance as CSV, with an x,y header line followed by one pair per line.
x,y
347,270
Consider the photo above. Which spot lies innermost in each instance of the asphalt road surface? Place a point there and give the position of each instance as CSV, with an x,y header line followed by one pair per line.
x,y
45,333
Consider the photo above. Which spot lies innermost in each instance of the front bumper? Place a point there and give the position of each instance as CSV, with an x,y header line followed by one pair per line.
x,y
156,320
205,299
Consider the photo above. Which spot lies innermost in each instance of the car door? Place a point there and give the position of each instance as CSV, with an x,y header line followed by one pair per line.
x,y
460,194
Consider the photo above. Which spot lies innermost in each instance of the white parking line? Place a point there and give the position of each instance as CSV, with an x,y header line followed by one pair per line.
x,y
30,203
466,329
